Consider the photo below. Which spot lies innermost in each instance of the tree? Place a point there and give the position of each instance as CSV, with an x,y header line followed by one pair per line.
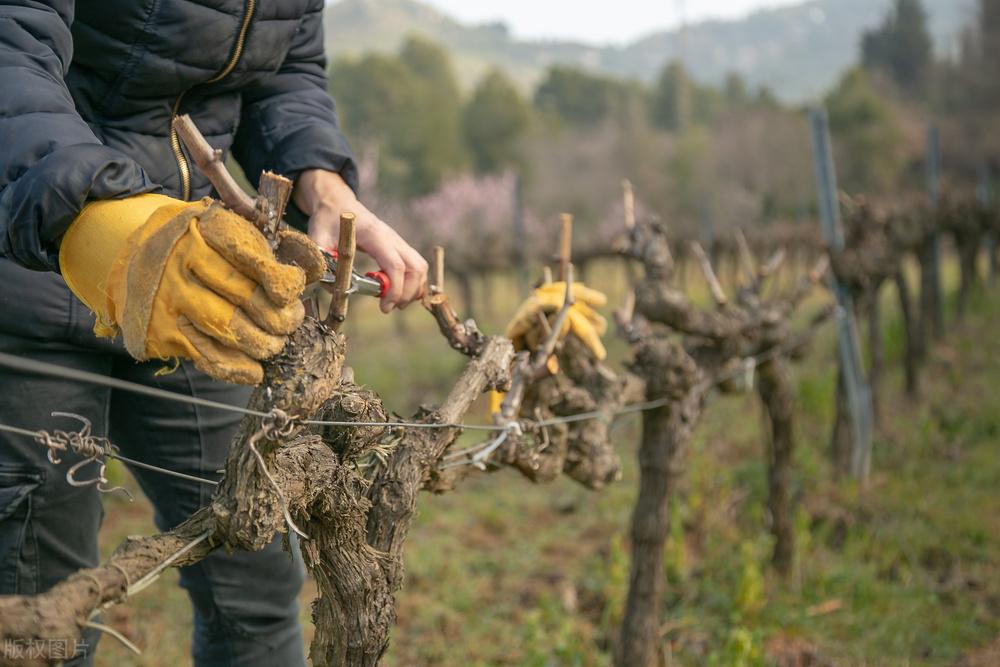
x,y
433,145
678,101
688,169
901,47
970,92
766,99
707,104
578,97
670,104
867,130
981,58
409,106
370,91
989,30
736,92
493,122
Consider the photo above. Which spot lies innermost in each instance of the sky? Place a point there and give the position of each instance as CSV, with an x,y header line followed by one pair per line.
x,y
598,21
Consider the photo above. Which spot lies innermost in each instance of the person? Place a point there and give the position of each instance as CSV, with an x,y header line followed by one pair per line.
x,y
104,229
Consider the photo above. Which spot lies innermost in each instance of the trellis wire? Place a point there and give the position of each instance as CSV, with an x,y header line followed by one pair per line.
x,y
115,455
44,368
54,370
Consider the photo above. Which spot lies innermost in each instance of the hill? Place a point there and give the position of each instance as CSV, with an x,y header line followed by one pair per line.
x,y
797,51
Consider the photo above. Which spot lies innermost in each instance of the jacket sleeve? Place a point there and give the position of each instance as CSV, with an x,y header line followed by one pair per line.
x,y
289,122
51,163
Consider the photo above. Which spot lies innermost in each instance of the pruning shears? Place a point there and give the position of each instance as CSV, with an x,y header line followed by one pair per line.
x,y
373,283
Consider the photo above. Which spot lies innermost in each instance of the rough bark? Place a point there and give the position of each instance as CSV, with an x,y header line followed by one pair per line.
x,y
354,617
666,432
297,382
777,394
464,337
245,512
56,617
358,527
752,326
582,450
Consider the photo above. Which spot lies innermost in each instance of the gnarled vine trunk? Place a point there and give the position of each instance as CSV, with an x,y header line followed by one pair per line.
x,y
774,385
666,432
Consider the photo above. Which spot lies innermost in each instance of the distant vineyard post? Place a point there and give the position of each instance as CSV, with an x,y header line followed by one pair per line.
x,y
853,395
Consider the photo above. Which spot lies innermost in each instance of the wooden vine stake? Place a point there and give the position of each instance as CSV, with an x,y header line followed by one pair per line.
x,y
437,270
346,248
565,244
628,203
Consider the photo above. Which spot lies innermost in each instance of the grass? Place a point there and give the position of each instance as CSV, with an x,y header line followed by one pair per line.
x,y
904,572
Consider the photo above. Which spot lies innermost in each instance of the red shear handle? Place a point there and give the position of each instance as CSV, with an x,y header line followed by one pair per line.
x,y
382,279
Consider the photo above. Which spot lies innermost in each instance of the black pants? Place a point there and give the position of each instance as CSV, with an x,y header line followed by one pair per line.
x,y
245,604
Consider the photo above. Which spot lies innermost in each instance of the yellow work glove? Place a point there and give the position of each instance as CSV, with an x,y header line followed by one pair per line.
x,y
186,279
496,401
526,329
527,332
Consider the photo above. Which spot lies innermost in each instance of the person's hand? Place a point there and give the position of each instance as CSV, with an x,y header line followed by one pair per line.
x,y
188,279
323,196
526,330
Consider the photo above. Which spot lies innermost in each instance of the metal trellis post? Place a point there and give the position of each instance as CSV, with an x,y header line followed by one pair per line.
x,y
849,348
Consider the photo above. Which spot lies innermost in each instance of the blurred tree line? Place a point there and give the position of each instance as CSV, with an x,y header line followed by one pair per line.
x,y
881,110
691,150
696,153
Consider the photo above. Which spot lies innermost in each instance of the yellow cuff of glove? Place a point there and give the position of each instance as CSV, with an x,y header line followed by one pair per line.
x,y
91,244
187,279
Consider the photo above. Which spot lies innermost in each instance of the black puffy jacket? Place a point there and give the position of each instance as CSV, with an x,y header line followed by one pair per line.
x,y
88,89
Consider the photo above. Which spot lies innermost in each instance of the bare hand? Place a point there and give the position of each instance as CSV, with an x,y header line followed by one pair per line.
x,y
324,196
